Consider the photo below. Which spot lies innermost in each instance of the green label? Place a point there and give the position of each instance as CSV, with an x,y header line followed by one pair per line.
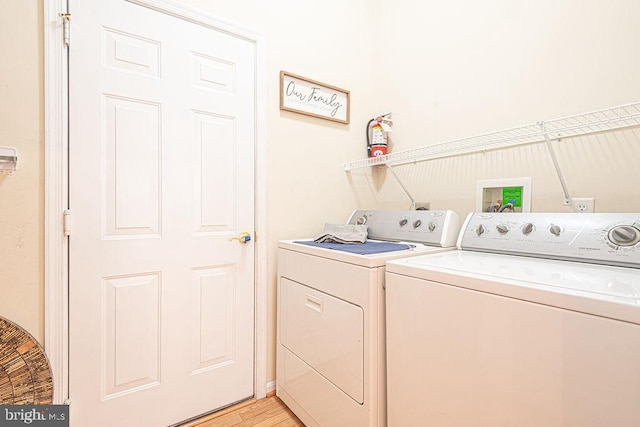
x,y
512,195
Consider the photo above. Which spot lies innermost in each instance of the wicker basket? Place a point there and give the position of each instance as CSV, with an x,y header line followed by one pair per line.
x,y
25,373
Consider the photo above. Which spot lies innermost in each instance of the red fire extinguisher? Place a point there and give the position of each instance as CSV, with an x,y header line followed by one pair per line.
x,y
377,129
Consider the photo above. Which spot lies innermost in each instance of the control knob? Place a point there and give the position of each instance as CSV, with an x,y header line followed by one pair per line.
x,y
480,229
527,229
431,226
502,228
417,223
403,222
361,220
555,230
624,235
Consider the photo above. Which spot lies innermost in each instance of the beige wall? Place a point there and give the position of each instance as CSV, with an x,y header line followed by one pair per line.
x,y
461,68
445,69
21,194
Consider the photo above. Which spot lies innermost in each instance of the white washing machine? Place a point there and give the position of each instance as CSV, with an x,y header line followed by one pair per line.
x,y
331,332
534,321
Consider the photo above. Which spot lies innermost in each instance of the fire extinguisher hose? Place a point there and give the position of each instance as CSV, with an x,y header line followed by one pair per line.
x,y
367,133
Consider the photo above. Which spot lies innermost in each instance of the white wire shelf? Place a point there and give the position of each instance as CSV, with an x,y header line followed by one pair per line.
x,y
620,117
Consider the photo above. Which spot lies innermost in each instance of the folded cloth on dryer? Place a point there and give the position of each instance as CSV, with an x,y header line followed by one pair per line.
x,y
343,233
368,248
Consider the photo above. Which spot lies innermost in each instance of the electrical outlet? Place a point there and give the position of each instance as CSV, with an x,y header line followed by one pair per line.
x,y
425,206
583,205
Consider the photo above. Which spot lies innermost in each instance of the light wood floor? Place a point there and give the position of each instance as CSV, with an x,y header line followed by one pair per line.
x,y
263,413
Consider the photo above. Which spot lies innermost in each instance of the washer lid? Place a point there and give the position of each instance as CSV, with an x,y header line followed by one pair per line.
x,y
597,289
369,260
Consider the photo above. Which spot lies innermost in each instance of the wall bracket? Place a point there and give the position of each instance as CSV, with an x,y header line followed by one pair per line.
x,y
8,159
413,201
566,201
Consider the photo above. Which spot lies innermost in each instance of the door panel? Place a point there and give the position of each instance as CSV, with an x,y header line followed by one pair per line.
x,y
132,185
215,157
213,316
131,308
162,137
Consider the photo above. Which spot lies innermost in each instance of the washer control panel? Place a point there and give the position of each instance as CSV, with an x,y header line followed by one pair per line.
x,y
434,228
608,238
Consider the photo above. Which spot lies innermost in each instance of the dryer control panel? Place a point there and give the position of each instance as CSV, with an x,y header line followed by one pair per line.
x,y
606,238
434,228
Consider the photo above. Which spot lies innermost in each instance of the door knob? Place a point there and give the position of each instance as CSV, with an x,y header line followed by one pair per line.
x,y
243,238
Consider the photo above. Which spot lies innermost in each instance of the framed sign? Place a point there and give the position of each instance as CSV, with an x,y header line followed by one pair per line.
x,y
306,96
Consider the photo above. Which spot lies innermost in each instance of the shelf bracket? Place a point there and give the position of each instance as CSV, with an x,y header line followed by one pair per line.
x,y
567,199
8,159
413,202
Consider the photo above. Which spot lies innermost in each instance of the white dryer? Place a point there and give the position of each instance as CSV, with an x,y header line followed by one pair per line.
x,y
331,332
534,321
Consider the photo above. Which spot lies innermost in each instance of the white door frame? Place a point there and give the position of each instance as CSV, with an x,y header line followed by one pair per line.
x,y
56,285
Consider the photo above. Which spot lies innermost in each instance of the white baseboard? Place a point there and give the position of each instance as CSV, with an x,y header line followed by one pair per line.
x,y
271,386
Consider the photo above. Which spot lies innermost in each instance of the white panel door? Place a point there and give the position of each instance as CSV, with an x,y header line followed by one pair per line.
x,y
162,136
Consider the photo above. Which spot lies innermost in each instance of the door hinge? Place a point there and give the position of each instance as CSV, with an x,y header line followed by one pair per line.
x,y
66,222
66,23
